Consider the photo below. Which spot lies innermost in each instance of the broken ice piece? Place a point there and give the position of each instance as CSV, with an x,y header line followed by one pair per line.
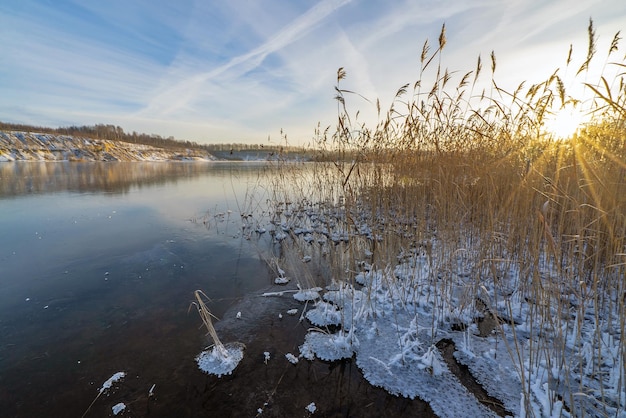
x,y
113,379
220,360
304,295
117,408
292,359
281,280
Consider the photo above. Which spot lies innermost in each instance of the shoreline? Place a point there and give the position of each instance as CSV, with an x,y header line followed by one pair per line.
x,y
32,146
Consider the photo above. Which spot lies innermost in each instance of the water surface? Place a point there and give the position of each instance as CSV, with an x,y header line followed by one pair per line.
x,y
98,265
99,262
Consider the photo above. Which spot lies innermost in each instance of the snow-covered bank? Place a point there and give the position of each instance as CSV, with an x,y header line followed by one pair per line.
x,y
536,359
392,318
32,146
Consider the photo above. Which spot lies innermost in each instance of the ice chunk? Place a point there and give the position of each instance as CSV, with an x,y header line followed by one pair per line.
x,y
220,360
324,314
292,359
113,379
306,351
330,347
117,408
304,295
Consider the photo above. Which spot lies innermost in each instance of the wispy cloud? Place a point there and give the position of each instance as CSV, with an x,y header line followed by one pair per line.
x,y
47,66
240,70
179,95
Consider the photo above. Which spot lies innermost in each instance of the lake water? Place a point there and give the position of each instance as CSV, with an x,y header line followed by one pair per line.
x,y
98,265
94,255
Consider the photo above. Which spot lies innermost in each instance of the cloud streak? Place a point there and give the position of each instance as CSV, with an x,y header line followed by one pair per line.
x,y
238,71
181,94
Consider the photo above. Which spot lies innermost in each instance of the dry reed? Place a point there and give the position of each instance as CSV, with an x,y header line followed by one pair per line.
x,y
471,176
205,316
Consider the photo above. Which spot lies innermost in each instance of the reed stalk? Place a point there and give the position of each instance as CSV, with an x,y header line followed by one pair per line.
x,y
473,178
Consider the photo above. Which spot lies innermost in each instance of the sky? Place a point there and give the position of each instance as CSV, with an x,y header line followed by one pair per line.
x,y
245,70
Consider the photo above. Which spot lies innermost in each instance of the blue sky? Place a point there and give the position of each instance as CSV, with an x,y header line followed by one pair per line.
x,y
242,70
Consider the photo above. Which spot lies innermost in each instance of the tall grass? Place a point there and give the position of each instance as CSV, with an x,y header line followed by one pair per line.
x,y
466,173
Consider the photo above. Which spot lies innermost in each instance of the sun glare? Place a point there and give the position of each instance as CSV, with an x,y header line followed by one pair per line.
x,y
564,123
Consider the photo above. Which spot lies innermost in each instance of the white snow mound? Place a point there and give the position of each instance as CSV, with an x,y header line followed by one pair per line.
x,y
220,360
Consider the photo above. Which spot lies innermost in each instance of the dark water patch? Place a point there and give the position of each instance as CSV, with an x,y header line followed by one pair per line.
x,y
159,350
99,265
281,389
57,351
490,320
459,326
66,378
462,372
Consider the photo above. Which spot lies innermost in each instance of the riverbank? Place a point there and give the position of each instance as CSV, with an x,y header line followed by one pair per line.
x,y
33,146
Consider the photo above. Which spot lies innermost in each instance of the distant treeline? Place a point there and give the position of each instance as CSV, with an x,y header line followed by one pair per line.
x,y
234,151
108,132
116,133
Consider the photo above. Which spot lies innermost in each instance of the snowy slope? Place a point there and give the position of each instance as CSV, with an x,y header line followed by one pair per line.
x,y
32,146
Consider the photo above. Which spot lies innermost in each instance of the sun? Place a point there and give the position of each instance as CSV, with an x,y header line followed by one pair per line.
x,y
564,123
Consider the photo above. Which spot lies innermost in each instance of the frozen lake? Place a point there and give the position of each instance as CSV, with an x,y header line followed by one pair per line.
x,y
98,265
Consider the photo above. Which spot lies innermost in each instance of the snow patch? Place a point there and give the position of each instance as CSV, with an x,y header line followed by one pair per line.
x,y
292,359
329,347
113,379
220,360
282,280
324,314
118,408
305,295
311,408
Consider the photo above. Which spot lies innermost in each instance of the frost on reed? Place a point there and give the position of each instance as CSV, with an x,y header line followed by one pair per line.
x,y
108,384
460,216
219,359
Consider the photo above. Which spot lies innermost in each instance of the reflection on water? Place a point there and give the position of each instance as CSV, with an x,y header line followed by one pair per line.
x,y
98,264
24,177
